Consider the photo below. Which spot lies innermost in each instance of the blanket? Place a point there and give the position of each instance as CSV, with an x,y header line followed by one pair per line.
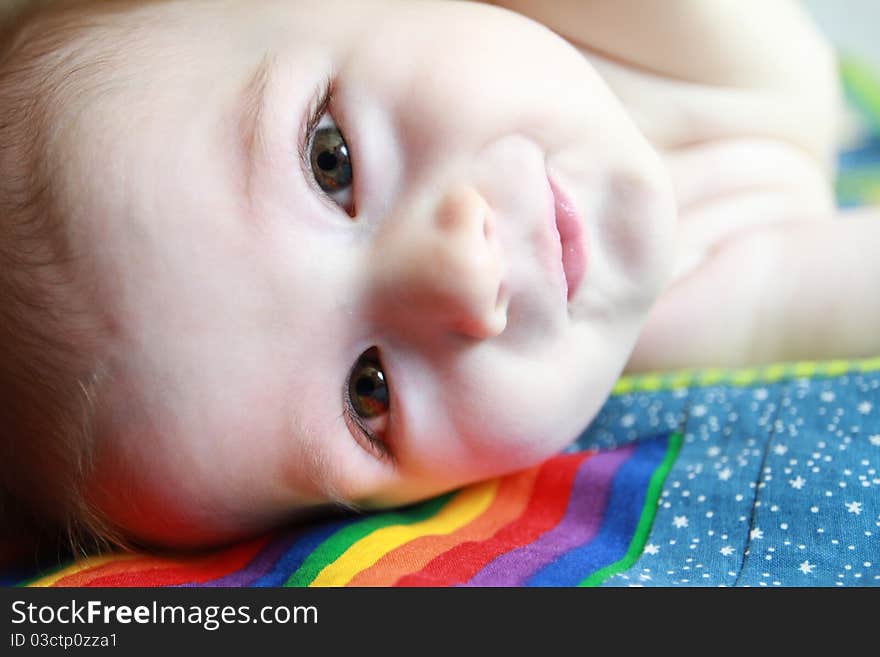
x,y
757,477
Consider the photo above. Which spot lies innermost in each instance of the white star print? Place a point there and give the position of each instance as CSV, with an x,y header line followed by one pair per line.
x,y
831,435
854,507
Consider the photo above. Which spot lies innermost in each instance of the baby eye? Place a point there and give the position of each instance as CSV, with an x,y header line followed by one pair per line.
x,y
331,164
368,400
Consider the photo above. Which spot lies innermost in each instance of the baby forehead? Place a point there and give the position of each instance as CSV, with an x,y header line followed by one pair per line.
x,y
74,87
74,81
63,45
57,64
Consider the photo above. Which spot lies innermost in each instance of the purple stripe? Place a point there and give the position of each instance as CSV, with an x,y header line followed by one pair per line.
x,y
581,522
258,566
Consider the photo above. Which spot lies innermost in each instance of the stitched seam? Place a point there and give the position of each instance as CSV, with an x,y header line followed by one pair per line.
x,y
771,434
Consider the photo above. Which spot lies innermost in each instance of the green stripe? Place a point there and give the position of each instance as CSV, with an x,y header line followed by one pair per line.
x,y
862,89
741,377
334,546
859,185
649,510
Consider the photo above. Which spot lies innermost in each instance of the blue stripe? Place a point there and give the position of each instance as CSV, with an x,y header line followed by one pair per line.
x,y
867,153
621,517
294,557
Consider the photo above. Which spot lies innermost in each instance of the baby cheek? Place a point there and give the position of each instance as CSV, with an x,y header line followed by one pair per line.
x,y
146,494
494,446
491,422
137,511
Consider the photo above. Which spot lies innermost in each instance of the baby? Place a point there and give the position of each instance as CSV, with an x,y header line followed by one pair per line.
x,y
258,258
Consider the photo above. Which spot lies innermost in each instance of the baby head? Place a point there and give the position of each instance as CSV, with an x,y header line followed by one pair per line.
x,y
261,258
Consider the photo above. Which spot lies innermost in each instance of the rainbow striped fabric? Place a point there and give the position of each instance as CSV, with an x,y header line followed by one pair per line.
x,y
517,530
858,179
763,477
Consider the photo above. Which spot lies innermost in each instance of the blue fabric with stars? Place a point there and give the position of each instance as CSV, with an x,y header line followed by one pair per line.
x,y
777,484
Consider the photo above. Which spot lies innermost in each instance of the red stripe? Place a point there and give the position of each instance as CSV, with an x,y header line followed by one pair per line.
x,y
510,499
546,508
158,571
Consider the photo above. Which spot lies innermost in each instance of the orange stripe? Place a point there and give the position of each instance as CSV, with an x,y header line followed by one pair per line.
x,y
510,500
118,564
92,563
165,571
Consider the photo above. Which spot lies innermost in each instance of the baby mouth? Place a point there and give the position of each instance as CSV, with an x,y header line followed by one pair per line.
x,y
571,237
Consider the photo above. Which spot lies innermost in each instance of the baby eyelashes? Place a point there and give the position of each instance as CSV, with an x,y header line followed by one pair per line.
x,y
367,402
327,156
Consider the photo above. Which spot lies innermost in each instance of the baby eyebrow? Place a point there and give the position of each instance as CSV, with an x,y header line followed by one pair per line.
x,y
250,122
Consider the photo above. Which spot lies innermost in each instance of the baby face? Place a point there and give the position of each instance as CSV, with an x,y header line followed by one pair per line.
x,y
358,252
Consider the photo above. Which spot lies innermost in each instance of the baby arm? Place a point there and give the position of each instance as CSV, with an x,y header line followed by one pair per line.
x,y
691,70
784,292
721,42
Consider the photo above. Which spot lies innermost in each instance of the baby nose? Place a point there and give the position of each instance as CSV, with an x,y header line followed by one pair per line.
x,y
447,272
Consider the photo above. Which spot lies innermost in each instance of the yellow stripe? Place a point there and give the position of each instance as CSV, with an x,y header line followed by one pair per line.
x,y
870,364
744,378
771,373
802,370
836,367
462,509
623,386
79,566
652,382
711,377
774,372
680,380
